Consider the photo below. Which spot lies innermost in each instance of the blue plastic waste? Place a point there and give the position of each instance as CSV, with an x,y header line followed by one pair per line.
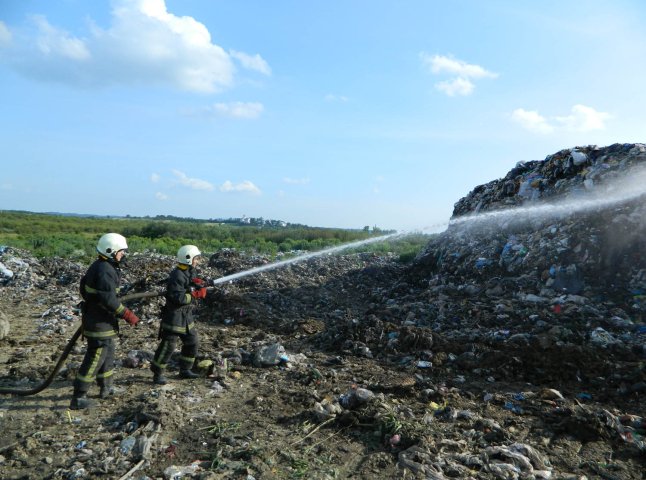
x,y
482,263
126,445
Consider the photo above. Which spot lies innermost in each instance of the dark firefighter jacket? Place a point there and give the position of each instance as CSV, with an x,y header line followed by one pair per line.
x,y
177,316
99,288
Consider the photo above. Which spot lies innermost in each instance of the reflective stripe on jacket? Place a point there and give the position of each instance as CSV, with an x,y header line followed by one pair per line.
x,y
178,313
99,287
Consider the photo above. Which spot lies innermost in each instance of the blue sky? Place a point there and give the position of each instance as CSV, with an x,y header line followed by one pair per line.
x,y
327,113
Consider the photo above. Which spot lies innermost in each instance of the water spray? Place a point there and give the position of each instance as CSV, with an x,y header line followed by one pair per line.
x,y
228,278
628,187
307,256
272,266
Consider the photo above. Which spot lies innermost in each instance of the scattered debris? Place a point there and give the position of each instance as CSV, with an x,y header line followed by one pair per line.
x,y
513,347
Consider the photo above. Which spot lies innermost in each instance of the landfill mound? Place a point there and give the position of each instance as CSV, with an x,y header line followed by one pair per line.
x,y
566,233
512,348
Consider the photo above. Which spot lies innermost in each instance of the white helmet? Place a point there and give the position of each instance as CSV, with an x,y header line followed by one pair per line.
x,y
187,253
110,243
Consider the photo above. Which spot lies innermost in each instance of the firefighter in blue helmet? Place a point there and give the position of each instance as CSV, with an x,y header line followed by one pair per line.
x,y
100,317
183,290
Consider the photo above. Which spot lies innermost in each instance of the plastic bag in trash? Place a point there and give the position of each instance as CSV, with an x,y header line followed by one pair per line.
x,y
530,188
601,337
5,273
175,472
568,279
270,355
578,158
356,397
127,444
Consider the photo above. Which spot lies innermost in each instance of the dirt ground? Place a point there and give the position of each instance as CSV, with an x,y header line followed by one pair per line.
x,y
360,393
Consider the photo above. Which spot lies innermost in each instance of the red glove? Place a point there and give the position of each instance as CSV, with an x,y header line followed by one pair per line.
x,y
199,293
198,282
130,317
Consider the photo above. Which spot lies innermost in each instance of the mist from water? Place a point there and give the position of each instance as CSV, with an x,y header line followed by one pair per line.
x,y
626,187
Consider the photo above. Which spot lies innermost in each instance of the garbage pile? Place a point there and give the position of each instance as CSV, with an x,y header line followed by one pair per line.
x,y
581,271
512,348
541,277
567,173
229,260
515,226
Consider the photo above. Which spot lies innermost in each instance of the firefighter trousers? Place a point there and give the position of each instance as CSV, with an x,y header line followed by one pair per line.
x,y
167,347
98,364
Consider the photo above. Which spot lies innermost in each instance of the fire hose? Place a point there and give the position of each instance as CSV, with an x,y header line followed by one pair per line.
x,y
50,379
67,350
212,283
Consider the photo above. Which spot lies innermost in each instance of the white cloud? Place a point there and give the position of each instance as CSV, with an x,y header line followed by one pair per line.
x,y
5,35
147,44
245,186
252,62
462,73
154,178
581,119
246,110
143,44
584,119
192,183
161,196
531,120
296,181
332,97
457,86
441,64
54,42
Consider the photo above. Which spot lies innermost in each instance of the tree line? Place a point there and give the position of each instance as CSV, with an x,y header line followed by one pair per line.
x,y
74,236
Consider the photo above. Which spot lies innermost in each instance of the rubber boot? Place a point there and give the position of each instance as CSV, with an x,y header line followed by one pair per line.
x,y
80,402
186,373
106,391
159,379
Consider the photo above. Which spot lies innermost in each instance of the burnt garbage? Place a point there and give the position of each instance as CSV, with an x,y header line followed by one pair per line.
x,y
587,258
513,347
546,266
229,260
585,216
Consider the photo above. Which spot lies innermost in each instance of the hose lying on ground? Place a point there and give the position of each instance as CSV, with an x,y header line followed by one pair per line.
x,y
50,379
66,352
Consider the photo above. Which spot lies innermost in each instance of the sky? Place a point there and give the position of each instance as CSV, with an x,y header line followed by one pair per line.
x,y
335,113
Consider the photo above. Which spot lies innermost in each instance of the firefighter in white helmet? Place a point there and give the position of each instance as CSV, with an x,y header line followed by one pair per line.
x,y
183,290
100,317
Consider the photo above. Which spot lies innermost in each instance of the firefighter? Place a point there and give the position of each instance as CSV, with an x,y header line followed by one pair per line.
x,y
100,318
183,290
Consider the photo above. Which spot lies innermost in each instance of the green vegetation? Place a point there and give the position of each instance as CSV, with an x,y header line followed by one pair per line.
x,y
50,235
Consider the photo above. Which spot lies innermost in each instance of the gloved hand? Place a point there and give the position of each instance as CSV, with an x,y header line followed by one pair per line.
x,y
130,317
199,293
198,282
